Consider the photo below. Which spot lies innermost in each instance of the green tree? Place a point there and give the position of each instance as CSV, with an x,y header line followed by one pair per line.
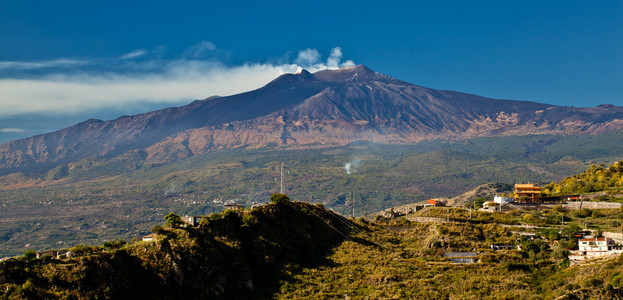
x,y
536,250
560,250
279,198
115,244
617,280
479,202
30,254
173,220
157,229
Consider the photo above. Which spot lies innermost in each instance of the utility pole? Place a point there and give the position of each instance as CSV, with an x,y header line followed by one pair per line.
x,y
282,177
352,203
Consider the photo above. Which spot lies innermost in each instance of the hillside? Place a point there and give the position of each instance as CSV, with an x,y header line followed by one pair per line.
x,y
297,250
301,111
228,258
93,201
602,178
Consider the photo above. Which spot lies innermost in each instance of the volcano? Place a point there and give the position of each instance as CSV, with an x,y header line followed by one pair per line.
x,y
303,110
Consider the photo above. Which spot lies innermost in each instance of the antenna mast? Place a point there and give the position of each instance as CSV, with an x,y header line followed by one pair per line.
x,y
352,202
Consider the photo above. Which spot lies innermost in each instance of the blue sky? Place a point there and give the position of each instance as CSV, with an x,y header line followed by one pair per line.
x,y
66,61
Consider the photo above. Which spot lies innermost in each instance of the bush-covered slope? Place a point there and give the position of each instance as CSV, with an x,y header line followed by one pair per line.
x,y
295,250
596,178
227,257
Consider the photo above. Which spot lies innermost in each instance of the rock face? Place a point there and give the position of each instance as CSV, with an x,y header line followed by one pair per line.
x,y
331,107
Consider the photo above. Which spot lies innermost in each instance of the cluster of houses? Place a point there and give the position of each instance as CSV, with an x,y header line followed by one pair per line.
x,y
54,254
588,247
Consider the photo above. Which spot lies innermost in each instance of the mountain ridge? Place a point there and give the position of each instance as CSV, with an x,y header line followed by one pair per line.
x,y
328,107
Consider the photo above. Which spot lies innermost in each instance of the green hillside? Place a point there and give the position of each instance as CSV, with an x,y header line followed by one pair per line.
x,y
596,178
294,250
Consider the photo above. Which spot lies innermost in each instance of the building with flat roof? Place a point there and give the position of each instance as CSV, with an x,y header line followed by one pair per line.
x,y
527,193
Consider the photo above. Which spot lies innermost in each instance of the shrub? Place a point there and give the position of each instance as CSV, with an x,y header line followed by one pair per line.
x,y
617,280
157,229
585,212
279,198
81,249
248,220
30,254
204,221
228,213
593,282
173,220
115,244
215,216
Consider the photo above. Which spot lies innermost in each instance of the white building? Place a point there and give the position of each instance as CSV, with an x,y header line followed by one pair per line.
x,y
595,244
191,221
503,200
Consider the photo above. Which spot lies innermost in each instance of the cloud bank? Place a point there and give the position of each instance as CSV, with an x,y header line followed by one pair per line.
x,y
69,86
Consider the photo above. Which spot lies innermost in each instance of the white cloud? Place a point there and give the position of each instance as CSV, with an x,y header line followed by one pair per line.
x,y
135,53
348,63
199,50
57,63
12,130
307,58
310,59
334,58
74,91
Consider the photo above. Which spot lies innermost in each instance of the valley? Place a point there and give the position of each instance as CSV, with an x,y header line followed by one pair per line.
x,y
124,197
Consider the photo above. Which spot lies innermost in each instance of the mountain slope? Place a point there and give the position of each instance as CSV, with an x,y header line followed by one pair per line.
x,y
331,107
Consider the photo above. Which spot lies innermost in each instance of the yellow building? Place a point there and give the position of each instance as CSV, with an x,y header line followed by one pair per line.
x,y
527,193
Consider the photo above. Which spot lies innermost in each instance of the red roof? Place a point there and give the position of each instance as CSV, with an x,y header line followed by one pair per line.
x,y
595,239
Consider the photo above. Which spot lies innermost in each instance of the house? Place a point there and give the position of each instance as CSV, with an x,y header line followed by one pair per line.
x,y
527,193
461,257
51,253
436,202
490,205
502,247
602,244
150,238
527,235
191,221
393,214
503,200
234,207
67,254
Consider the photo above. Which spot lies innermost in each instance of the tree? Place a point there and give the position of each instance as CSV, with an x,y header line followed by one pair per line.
x,y
157,229
478,203
30,254
536,249
173,220
279,198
